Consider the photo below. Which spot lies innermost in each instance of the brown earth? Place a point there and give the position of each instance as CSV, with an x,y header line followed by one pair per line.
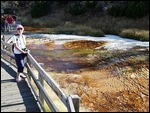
x,y
106,81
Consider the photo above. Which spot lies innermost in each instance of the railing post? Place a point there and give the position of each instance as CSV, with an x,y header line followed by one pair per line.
x,y
3,38
28,73
2,45
76,102
42,83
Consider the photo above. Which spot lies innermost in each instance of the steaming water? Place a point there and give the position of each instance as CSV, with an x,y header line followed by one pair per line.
x,y
114,42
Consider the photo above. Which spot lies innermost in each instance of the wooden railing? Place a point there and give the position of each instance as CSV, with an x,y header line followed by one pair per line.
x,y
71,102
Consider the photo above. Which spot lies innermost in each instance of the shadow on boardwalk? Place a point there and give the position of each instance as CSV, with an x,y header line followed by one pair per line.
x,y
15,96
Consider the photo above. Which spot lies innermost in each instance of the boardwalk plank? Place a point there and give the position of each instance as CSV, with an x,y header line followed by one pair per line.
x,y
15,97
19,108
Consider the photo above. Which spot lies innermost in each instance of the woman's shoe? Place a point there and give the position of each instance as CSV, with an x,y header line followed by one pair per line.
x,y
18,79
22,75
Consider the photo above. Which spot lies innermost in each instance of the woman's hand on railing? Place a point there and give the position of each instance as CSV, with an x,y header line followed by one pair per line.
x,y
28,51
25,51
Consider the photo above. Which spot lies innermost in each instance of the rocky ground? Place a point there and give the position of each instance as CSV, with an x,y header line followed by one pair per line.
x,y
106,81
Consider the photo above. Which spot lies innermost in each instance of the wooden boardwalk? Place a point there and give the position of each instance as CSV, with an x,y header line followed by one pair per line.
x,y
15,97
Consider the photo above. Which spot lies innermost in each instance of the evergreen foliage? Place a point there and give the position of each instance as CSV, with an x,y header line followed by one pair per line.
x,y
130,9
8,11
77,8
40,9
91,4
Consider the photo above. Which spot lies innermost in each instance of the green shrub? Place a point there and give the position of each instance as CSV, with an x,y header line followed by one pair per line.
x,y
130,9
99,7
90,4
137,9
8,11
76,8
61,3
40,9
79,30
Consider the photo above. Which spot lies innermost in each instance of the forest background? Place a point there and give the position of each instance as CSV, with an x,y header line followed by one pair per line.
x,y
128,19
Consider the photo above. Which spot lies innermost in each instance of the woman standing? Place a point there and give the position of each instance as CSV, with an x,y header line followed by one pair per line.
x,y
19,41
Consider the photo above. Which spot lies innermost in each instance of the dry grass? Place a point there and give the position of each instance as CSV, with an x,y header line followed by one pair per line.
x,y
135,34
113,24
93,25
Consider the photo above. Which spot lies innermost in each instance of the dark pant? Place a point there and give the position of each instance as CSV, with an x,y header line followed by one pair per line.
x,y
3,27
20,60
